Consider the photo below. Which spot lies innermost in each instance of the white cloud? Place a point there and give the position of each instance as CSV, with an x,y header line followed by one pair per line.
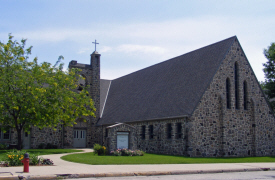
x,y
165,39
105,49
135,48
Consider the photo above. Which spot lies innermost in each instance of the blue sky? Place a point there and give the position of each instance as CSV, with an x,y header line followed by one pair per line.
x,y
136,34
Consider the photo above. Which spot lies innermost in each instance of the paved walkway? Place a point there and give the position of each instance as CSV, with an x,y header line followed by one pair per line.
x,y
70,170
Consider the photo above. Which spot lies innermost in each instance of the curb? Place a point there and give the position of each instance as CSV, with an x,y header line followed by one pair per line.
x,y
148,173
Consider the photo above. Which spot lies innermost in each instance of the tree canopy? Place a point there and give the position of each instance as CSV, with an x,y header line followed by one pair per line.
x,y
33,94
269,70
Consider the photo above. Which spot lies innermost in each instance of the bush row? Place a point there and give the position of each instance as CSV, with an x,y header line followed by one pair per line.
x,y
102,151
127,152
3,146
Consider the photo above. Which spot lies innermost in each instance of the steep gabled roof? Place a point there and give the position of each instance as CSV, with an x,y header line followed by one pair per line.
x,y
169,89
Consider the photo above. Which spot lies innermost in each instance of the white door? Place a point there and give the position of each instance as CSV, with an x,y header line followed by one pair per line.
x,y
79,138
122,140
26,141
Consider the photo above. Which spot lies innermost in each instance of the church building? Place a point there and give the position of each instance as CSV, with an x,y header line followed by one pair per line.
x,y
205,103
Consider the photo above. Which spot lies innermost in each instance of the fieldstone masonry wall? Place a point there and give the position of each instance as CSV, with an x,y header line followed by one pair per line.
x,y
158,144
219,131
46,135
110,138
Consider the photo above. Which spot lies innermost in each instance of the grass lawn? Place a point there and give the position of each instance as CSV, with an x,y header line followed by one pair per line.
x,y
41,151
90,158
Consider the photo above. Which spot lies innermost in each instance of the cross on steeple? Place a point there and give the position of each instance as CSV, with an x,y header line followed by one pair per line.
x,y
95,44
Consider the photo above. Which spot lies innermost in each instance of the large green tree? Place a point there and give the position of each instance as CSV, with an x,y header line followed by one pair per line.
x,y
269,70
40,95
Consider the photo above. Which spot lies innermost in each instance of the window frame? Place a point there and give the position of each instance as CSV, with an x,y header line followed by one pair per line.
x,y
2,135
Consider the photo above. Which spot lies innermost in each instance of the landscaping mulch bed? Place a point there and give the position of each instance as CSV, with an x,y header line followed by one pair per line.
x,y
5,165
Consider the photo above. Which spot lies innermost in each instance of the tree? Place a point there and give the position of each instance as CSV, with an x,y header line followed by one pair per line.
x,y
40,95
269,70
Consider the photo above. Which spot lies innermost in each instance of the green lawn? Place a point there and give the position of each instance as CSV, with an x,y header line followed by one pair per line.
x,y
41,151
90,158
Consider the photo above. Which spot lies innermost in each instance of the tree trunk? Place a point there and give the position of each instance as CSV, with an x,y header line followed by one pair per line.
x,y
19,139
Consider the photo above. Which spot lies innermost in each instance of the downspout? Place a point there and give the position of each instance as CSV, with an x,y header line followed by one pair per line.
x,y
102,134
62,137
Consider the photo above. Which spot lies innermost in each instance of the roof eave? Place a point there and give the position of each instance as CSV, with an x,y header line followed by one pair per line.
x,y
154,119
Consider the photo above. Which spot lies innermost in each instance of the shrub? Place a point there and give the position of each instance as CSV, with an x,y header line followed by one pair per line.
x,y
41,146
100,150
47,146
51,146
34,159
3,146
127,152
14,158
116,152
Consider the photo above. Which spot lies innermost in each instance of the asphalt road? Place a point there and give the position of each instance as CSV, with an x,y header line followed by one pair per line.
x,y
256,175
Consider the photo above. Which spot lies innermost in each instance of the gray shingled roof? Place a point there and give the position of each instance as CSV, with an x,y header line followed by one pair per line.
x,y
172,88
104,89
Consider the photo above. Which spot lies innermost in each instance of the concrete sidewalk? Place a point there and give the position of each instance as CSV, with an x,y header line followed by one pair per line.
x,y
64,169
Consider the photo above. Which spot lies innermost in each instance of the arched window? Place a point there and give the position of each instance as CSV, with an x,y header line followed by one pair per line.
x,y
245,95
236,73
228,102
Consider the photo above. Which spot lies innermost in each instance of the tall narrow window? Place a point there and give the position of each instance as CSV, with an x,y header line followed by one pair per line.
x,y
169,131
106,132
228,101
179,130
236,73
151,132
142,132
245,95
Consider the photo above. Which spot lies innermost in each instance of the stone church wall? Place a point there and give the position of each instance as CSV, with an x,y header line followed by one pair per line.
x,y
110,136
159,143
45,136
221,131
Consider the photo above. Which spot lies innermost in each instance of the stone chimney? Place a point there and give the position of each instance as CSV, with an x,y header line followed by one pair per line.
x,y
95,81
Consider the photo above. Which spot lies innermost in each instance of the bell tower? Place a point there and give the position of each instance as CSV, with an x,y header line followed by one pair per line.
x,y
91,72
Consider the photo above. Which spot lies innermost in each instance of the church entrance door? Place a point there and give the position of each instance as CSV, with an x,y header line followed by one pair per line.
x,y
26,141
122,140
79,138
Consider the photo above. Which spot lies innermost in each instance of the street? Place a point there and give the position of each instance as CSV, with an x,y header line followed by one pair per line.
x,y
268,175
